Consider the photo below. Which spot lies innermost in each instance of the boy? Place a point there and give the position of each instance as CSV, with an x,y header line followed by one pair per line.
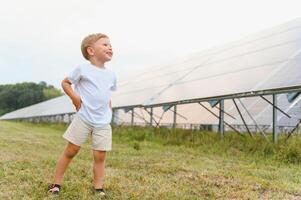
x,y
93,84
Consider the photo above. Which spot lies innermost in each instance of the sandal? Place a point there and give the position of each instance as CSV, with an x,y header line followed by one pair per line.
x,y
54,189
100,191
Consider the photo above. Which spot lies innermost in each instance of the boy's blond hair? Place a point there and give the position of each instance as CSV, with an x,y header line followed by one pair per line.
x,y
89,41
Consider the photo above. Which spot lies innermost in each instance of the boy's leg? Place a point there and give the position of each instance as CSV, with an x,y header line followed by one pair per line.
x,y
76,134
101,143
98,168
70,151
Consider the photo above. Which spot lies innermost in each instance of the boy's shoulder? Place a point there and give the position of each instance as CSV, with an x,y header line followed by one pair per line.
x,y
79,67
82,65
88,68
84,68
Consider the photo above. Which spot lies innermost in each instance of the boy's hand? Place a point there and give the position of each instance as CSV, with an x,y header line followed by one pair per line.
x,y
66,85
77,102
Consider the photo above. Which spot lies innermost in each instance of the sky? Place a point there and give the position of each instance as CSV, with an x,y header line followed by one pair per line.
x,y
40,40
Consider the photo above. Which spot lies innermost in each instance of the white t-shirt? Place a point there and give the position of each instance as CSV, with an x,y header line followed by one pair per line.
x,y
94,86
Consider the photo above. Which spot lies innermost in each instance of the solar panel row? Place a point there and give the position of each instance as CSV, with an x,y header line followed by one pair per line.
x,y
267,60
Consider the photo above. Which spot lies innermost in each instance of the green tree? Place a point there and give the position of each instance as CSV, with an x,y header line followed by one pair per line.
x,y
16,96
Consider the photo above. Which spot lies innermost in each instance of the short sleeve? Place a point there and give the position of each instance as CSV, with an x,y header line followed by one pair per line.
x,y
114,86
75,75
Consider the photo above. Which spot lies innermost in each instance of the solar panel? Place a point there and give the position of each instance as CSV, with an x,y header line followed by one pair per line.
x,y
140,89
268,62
55,106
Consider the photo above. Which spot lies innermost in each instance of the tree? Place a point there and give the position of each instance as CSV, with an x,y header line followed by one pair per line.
x,y
16,96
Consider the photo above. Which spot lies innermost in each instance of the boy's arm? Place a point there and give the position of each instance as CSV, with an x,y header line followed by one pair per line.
x,y
66,85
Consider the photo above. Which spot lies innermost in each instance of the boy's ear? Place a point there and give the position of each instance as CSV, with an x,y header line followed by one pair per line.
x,y
90,51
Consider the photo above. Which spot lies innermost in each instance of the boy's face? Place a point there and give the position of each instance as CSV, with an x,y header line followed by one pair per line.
x,y
102,50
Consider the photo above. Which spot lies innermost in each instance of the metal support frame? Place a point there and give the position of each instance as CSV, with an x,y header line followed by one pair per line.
x,y
275,134
174,117
165,109
254,121
276,107
293,130
132,116
226,113
218,118
178,114
239,95
161,117
151,116
242,118
113,116
221,127
140,117
152,119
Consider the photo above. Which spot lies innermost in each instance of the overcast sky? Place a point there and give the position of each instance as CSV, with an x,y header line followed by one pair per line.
x,y
40,40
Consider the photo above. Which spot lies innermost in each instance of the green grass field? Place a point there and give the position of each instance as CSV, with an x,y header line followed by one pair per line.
x,y
151,164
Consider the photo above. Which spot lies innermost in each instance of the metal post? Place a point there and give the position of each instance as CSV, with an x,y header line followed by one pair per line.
x,y
215,115
221,118
132,118
174,117
113,116
151,116
275,136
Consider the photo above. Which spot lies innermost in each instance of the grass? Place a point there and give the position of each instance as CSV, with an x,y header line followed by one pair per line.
x,y
151,164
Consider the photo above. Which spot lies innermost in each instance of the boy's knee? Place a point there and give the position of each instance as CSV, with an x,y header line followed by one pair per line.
x,y
99,156
71,150
99,159
70,154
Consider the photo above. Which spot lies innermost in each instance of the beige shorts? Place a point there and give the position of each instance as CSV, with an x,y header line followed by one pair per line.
x,y
78,132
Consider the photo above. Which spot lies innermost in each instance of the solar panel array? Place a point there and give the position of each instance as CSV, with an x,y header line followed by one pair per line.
x,y
55,106
267,60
